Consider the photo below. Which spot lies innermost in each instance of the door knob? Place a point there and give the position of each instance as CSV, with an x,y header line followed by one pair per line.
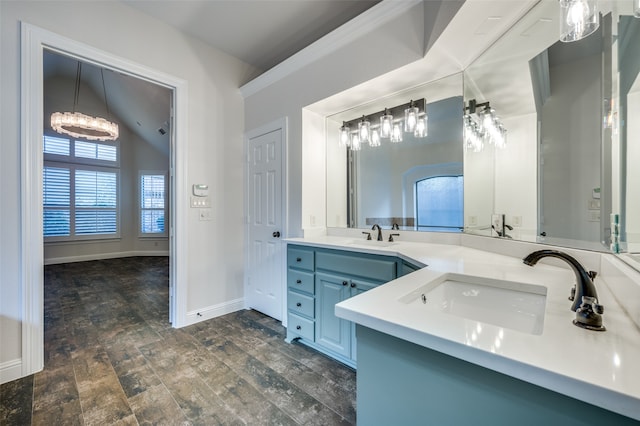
x,y
276,234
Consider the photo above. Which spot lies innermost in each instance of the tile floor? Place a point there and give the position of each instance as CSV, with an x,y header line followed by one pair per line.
x,y
111,357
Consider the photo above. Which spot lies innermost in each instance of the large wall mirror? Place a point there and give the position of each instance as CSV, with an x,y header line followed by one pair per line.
x,y
414,183
566,110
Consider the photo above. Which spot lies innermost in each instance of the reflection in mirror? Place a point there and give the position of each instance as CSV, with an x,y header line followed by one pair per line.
x,y
415,184
558,179
629,127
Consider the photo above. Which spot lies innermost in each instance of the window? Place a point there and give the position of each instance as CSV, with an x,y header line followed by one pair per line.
x,y
152,203
439,203
80,199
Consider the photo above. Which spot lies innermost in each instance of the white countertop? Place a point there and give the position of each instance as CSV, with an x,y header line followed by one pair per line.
x,y
601,368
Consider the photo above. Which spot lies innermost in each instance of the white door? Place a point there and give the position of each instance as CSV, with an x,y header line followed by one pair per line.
x,y
264,289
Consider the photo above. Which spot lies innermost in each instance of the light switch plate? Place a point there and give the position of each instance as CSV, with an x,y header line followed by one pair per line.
x,y
200,202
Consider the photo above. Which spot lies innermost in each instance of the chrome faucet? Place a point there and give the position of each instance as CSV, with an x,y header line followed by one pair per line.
x,y
584,295
376,226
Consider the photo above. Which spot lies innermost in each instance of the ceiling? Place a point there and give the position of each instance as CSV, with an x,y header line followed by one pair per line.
x,y
262,33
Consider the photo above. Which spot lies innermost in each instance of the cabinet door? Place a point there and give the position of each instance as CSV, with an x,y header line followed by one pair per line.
x,y
357,287
332,332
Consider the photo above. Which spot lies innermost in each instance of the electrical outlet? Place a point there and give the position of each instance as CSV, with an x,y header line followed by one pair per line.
x,y
312,220
594,205
516,221
473,220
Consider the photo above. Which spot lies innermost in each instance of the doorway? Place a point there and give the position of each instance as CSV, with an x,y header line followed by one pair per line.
x,y
34,41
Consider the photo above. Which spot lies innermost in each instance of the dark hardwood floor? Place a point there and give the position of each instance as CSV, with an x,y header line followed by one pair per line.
x,y
111,357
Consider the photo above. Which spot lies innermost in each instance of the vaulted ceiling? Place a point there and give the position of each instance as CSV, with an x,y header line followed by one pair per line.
x,y
261,33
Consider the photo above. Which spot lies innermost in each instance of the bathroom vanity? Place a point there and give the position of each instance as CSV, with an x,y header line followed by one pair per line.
x,y
446,366
318,279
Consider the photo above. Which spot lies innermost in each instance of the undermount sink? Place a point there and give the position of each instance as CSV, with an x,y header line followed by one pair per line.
x,y
371,243
509,304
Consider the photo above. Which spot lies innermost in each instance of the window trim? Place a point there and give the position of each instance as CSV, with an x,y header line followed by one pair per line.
x,y
152,235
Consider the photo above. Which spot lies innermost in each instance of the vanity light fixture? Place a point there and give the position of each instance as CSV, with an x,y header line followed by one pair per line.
x,y
375,138
481,124
578,19
364,130
386,123
410,118
78,125
396,134
421,130
344,137
371,129
355,142
473,137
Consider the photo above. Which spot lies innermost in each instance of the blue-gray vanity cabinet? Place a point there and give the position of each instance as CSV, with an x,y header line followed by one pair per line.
x,y
300,293
333,333
324,277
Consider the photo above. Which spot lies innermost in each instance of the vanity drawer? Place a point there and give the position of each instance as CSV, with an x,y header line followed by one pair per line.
x,y
301,281
300,258
376,268
301,326
300,304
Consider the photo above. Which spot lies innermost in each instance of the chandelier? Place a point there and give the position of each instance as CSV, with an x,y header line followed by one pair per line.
x,y
371,129
78,125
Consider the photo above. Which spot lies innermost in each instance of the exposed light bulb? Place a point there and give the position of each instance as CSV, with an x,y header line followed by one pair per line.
x,y
364,130
355,142
421,128
386,124
410,118
396,133
375,138
344,138
578,19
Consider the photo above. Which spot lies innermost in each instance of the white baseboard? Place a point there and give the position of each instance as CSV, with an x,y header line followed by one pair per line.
x,y
10,370
214,311
102,256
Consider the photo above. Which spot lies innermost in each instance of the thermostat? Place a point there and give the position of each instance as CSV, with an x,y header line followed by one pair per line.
x,y
200,190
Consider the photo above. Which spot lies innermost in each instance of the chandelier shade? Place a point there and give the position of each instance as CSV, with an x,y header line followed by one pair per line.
x,y
79,125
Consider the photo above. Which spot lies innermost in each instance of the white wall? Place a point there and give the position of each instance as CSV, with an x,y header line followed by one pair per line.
x,y
571,144
633,171
215,127
516,174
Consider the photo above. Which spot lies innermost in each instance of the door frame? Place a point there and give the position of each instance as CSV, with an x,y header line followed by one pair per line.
x,y
33,41
279,124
